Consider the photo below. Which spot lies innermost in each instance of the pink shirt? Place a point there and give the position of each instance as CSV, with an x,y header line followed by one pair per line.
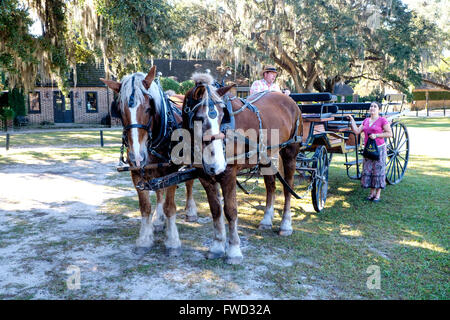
x,y
376,127
262,85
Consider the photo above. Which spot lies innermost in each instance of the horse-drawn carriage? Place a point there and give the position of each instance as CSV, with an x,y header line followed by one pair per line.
x,y
326,131
309,133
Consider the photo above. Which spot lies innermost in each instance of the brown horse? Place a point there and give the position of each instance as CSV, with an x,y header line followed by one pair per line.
x,y
278,114
141,105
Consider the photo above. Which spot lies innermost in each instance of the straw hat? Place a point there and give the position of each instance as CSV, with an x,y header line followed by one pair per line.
x,y
269,68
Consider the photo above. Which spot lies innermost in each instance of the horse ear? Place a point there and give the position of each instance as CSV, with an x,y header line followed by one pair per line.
x,y
115,86
222,91
149,78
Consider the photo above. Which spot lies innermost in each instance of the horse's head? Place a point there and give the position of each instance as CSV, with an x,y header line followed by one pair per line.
x,y
137,103
202,116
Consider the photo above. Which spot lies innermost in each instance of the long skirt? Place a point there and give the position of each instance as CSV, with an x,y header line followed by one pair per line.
x,y
374,171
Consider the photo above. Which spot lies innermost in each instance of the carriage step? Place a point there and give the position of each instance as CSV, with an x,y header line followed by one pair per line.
x,y
352,163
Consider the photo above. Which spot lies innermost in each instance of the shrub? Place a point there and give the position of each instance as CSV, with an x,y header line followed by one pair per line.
x,y
169,84
185,86
432,96
16,101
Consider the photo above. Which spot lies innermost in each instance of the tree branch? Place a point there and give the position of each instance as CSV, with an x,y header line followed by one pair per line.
x,y
437,84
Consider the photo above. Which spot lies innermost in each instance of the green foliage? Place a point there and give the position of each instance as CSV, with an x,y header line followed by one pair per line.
x,y
17,43
125,32
16,101
419,95
169,84
185,86
137,30
6,113
316,41
375,95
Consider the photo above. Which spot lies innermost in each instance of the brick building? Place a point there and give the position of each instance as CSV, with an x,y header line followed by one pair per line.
x,y
88,101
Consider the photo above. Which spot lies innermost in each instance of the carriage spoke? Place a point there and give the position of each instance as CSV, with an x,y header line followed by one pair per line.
x,y
394,165
400,156
401,167
391,167
400,139
398,168
390,160
395,136
406,140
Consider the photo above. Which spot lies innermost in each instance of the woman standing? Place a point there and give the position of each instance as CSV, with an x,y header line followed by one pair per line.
x,y
374,171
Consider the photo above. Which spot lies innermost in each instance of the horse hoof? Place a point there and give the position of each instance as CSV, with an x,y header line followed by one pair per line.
x,y
215,255
265,227
158,227
174,252
140,251
191,218
285,233
234,260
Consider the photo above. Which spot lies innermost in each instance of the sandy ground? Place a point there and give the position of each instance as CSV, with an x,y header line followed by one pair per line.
x,y
54,229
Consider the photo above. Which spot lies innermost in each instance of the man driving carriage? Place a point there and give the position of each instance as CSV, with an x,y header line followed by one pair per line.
x,y
267,83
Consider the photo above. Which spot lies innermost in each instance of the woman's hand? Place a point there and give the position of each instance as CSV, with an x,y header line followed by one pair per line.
x,y
350,118
373,136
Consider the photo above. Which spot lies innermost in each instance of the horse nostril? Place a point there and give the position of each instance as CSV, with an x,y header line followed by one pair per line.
x,y
143,156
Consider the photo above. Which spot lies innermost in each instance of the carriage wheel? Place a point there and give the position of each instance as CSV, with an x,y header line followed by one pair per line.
x,y
397,149
320,183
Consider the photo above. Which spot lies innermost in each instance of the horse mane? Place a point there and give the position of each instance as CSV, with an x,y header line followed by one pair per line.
x,y
206,80
202,78
126,90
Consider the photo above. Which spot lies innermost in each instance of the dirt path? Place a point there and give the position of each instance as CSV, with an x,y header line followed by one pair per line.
x,y
53,222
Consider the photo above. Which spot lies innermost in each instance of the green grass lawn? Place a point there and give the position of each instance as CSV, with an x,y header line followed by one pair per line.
x,y
62,138
406,235
439,123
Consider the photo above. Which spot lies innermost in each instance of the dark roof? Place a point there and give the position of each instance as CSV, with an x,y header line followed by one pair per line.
x,y
182,70
88,74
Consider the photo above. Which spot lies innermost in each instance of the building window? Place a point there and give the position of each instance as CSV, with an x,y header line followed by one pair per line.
x,y
34,102
91,102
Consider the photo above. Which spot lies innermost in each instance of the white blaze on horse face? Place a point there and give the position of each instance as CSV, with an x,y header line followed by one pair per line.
x,y
214,154
136,147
